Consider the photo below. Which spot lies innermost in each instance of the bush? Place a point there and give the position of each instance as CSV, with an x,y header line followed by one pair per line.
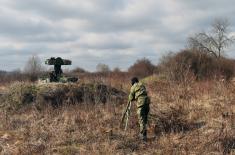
x,y
226,68
142,68
20,94
191,63
8,77
79,70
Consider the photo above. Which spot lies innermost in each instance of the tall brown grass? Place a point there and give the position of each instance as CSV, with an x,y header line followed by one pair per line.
x,y
197,118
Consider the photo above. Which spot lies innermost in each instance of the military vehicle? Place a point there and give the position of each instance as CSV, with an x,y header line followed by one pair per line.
x,y
57,74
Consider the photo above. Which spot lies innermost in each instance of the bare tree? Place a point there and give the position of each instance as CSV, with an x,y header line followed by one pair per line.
x,y
215,41
33,66
102,68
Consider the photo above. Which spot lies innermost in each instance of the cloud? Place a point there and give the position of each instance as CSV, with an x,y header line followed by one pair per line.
x,y
115,32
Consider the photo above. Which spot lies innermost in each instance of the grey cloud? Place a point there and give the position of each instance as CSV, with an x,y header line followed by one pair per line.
x,y
51,37
104,16
13,26
106,46
103,41
67,9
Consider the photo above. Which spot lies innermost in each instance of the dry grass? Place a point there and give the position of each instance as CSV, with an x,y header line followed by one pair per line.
x,y
186,118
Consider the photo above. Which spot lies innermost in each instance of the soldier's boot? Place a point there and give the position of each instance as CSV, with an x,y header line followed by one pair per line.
x,y
143,136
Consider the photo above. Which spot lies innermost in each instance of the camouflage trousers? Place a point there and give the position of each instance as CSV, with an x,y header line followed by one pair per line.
x,y
142,113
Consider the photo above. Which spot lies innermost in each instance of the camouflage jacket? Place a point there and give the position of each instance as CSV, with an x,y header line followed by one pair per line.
x,y
138,93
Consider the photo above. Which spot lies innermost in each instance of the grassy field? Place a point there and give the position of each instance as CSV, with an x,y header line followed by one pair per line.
x,y
186,118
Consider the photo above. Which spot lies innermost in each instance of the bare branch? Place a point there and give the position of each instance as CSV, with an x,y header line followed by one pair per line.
x,y
215,41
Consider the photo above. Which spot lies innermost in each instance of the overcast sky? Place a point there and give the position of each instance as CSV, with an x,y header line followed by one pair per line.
x,y
114,32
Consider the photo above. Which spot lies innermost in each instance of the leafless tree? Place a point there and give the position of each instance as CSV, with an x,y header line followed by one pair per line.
x,y
214,41
102,68
33,66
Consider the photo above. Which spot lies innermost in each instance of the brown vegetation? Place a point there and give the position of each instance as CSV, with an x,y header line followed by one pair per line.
x,y
192,110
142,68
194,64
185,118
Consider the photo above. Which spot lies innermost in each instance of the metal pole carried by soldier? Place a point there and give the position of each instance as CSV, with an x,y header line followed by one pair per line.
x,y
139,94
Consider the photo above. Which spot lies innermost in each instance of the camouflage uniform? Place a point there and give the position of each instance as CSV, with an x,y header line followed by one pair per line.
x,y
138,93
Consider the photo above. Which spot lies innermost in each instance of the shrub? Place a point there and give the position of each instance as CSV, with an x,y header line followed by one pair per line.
x,y
8,77
20,94
78,70
83,93
226,68
191,63
142,68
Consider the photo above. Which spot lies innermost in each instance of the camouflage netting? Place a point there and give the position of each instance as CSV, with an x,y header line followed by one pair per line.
x,y
21,94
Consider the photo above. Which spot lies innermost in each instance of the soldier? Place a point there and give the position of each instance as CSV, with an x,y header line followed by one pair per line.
x,y
138,93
